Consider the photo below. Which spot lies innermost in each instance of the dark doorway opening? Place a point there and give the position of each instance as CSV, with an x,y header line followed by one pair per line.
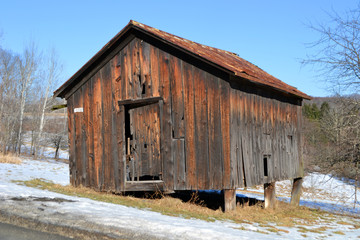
x,y
142,137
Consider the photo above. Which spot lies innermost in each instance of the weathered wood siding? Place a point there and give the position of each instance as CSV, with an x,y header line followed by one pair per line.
x,y
212,135
264,127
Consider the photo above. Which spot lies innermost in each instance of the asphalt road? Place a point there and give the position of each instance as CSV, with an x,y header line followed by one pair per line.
x,y
12,232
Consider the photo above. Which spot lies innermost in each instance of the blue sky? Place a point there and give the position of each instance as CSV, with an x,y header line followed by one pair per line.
x,y
270,34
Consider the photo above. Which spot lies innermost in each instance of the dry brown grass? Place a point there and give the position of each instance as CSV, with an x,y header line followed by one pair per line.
x,y
10,158
283,215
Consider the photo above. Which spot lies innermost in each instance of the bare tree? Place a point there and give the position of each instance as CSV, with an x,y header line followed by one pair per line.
x,y
50,76
28,66
9,77
337,58
337,51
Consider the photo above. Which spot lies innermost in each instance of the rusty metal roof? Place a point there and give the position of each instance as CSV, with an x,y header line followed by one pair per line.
x,y
224,59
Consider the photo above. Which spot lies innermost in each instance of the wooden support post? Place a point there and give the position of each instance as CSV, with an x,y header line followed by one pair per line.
x,y
229,199
269,195
296,191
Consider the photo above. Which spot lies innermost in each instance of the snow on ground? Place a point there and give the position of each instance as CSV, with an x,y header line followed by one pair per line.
x,y
320,191
75,211
45,152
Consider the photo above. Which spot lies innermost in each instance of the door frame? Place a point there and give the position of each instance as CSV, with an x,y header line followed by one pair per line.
x,y
148,184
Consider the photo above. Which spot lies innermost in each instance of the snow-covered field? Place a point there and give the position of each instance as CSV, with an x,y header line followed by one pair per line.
x,y
320,191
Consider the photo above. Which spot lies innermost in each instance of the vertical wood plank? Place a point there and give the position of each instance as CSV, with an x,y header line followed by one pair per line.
x,y
127,91
146,81
214,130
233,137
239,155
258,140
85,135
154,66
116,66
191,178
106,77
78,103
121,144
179,161
166,131
98,138
90,131
225,131
177,97
135,81
245,140
71,131
201,129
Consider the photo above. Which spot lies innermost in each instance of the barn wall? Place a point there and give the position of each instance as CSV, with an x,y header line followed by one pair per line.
x,y
264,126
198,112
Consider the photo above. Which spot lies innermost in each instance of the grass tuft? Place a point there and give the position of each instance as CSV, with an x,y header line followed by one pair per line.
x,y
283,215
10,158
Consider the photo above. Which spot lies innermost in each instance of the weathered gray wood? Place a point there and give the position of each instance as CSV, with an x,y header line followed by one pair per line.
x,y
296,191
121,145
143,119
246,141
214,130
225,132
269,195
179,161
144,186
239,158
229,200
234,130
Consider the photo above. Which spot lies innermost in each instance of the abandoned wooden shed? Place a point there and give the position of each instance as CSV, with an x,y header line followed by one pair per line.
x,y
153,111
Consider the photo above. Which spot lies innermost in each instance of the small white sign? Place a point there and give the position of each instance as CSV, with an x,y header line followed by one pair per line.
x,y
78,110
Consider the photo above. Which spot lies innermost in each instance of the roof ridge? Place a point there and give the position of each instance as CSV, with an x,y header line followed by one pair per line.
x,y
136,23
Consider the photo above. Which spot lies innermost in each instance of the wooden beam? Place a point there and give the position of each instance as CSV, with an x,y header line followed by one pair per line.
x,y
229,200
144,186
296,191
140,102
269,195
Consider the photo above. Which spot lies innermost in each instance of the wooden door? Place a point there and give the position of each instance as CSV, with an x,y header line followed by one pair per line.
x,y
145,144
